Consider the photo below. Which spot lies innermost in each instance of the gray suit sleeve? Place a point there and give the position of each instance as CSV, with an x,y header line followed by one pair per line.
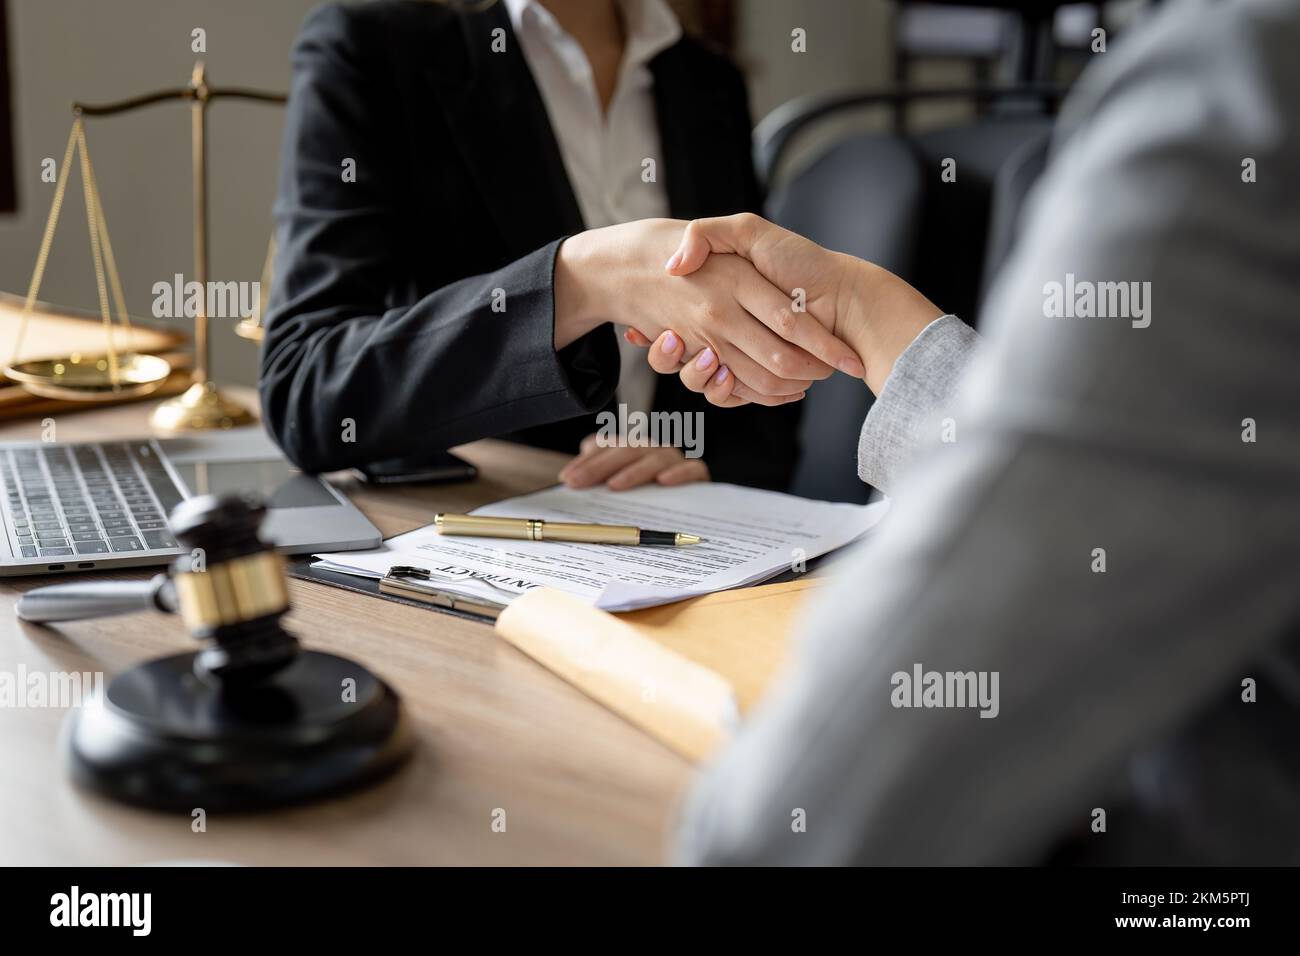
x,y
918,394
1116,530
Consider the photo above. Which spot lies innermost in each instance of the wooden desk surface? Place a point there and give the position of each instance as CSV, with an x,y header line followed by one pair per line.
x,y
494,729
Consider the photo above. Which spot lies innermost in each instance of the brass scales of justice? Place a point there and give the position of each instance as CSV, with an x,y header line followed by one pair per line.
x,y
118,375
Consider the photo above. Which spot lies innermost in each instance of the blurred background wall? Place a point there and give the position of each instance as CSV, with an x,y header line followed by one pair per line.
x,y
93,50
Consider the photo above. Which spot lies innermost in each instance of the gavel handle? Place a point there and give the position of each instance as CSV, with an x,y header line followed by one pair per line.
x,y
84,599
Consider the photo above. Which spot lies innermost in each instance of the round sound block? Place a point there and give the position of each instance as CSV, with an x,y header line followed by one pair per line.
x,y
162,738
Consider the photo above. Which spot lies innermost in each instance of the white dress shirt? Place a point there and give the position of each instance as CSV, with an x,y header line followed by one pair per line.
x,y
605,152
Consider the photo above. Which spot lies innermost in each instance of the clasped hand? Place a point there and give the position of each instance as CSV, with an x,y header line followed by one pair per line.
x,y
745,328
743,310
868,309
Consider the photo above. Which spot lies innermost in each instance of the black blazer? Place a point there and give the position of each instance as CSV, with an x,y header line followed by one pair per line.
x,y
380,340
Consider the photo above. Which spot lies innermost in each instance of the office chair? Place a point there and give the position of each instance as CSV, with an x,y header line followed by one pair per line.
x,y
1011,187
864,196
880,196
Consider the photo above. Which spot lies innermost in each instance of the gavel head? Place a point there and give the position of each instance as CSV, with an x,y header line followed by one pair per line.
x,y
231,590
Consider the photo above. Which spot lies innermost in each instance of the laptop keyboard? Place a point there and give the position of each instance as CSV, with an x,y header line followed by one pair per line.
x,y
66,500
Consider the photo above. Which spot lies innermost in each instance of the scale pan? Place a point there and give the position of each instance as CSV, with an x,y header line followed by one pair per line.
x,y
87,378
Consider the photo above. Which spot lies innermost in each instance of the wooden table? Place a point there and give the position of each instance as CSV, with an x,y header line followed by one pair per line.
x,y
494,729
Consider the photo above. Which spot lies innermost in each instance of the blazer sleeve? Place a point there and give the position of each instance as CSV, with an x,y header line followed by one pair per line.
x,y
917,395
356,367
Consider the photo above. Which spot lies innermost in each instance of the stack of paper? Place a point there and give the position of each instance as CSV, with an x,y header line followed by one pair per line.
x,y
749,536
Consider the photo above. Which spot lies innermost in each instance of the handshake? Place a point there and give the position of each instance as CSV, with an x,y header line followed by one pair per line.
x,y
743,310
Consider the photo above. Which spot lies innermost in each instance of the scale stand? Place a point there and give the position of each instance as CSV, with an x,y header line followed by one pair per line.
x,y
203,406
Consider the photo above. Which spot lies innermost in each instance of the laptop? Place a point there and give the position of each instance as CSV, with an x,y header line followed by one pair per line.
x,y
102,505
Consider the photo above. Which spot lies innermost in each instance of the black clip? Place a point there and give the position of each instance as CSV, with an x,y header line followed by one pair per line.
x,y
406,571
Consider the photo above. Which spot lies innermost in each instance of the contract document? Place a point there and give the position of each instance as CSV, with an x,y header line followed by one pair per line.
x,y
748,536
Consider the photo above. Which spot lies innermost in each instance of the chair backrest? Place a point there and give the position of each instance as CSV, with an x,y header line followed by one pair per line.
x,y
954,230
882,197
1010,188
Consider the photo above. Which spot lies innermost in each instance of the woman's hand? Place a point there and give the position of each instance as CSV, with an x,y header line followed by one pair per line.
x,y
616,274
702,373
861,304
624,468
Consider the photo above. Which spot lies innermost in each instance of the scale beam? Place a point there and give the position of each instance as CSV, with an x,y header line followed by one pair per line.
x,y
202,406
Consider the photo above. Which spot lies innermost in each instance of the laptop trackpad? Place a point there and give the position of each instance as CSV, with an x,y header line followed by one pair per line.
x,y
274,480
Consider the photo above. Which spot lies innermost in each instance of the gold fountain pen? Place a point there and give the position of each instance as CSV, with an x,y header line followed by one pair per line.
x,y
533,529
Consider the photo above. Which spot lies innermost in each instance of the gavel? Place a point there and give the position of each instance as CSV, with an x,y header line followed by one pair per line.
x,y
266,722
229,591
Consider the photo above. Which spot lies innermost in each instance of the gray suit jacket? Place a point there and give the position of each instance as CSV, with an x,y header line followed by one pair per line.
x,y
1114,531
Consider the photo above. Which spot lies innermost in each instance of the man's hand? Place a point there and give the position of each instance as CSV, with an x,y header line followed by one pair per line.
x,y
624,468
725,307
859,303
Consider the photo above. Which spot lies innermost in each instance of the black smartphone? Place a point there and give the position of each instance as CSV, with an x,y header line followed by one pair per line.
x,y
441,467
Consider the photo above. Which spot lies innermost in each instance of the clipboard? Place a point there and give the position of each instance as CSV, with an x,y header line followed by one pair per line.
x,y
415,589
415,584
402,588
